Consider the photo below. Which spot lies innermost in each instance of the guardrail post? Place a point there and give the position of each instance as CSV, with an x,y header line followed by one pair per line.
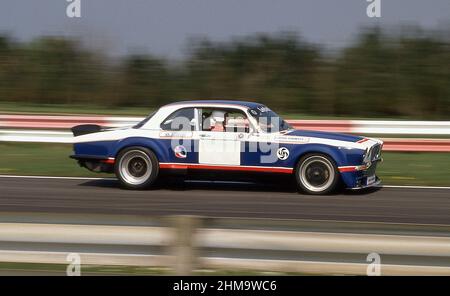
x,y
183,248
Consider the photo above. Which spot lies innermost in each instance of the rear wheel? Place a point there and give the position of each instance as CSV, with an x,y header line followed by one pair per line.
x,y
136,168
316,174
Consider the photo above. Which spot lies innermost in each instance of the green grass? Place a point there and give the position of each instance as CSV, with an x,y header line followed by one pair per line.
x,y
401,168
60,270
40,159
53,160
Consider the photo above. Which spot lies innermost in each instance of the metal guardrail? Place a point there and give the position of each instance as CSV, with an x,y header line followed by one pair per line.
x,y
36,136
28,128
395,127
187,243
390,144
63,121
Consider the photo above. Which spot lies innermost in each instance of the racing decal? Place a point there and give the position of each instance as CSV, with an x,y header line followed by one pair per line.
x,y
325,136
180,151
175,134
291,139
253,112
263,109
282,153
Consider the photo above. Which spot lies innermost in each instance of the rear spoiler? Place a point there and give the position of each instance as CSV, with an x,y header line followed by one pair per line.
x,y
85,129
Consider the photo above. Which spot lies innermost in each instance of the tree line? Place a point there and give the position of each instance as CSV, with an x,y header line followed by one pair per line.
x,y
379,74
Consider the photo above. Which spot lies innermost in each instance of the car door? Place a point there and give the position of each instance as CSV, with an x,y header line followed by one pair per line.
x,y
220,147
260,147
177,135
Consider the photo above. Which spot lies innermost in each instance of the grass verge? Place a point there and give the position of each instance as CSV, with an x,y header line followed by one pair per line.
x,y
7,268
11,268
40,159
398,168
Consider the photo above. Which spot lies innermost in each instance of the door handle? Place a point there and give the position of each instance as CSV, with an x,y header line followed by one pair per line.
x,y
204,136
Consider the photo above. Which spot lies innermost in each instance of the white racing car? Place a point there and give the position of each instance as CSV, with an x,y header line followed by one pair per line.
x,y
218,138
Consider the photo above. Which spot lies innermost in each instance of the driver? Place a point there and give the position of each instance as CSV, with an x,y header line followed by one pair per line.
x,y
215,122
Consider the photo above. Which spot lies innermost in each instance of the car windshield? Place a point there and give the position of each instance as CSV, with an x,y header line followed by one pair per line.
x,y
269,121
146,119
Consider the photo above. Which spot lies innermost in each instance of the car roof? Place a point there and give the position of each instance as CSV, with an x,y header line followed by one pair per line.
x,y
221,102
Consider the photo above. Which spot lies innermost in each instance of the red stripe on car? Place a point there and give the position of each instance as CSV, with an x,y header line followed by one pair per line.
x,y
347,169
225,168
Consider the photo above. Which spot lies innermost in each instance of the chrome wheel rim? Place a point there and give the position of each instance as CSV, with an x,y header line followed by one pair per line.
x,y
317,173
135,167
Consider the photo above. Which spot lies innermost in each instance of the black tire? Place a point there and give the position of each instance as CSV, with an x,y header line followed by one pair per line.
x,y
136,168
317,174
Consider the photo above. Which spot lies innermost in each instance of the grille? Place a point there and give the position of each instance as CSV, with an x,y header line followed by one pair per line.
x,y
374,153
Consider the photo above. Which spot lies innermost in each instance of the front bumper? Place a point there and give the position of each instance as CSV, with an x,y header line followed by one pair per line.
x,y
361,186
362,176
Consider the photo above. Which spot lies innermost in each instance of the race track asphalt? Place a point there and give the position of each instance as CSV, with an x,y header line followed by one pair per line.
x,y
394,205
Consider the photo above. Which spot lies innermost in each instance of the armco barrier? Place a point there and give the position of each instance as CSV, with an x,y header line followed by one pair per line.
x,y
63,122
390,127
28,128
390,144
345,126
417,145
187,243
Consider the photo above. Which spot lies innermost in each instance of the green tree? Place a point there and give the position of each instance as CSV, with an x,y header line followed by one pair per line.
x,y
144,81
276,70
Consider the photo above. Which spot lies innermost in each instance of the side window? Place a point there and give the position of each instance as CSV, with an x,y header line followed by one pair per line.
x,y
224,120
237,122
180,120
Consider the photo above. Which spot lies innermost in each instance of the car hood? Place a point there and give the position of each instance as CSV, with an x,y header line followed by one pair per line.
x,y
324,135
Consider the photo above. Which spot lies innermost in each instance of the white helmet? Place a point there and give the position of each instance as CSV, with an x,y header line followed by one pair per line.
x,y
218,116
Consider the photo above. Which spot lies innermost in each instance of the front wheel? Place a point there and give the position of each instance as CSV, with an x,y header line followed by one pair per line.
x,y
316,174
136,168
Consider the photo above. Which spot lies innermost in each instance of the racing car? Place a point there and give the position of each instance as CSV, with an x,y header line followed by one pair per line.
x,y
221,137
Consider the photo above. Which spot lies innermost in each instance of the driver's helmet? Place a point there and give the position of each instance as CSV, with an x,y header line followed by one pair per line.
x,y
217,121
218,116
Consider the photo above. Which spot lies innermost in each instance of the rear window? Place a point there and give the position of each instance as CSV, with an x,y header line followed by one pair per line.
x,y
180,120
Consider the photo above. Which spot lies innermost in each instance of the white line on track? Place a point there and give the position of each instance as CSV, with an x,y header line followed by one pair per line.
x,y
91,178
415,187
51,177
